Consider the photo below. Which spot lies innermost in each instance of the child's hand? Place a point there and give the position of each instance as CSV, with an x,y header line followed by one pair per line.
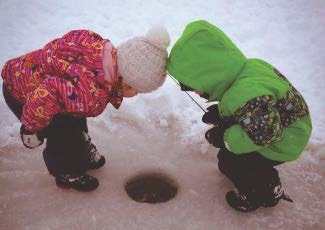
x,y
215,137
30,139
212,116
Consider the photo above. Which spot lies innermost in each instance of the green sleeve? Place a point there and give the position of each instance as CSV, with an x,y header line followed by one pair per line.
x,y
237,141
259,125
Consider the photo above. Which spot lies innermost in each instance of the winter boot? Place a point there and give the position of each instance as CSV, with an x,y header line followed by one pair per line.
x,y
242,202
96,160
267,195
82,182
272,193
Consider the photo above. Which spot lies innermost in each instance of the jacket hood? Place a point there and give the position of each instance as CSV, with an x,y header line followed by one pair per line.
x,y
205,59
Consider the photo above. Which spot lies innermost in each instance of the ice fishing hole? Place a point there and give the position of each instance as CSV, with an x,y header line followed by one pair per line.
x,y
151,188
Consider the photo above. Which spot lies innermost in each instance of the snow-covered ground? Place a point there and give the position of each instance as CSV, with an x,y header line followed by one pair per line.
x,y
161,131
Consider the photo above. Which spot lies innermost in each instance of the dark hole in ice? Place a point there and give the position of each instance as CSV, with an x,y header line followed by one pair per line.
x,y
151,188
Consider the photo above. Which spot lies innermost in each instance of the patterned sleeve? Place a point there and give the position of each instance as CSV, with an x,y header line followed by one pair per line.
x,y
42,104
259,125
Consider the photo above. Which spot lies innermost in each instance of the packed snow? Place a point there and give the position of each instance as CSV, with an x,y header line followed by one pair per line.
x,y
162,132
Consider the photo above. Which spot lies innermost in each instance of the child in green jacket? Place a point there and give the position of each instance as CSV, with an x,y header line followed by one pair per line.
x,y
260,120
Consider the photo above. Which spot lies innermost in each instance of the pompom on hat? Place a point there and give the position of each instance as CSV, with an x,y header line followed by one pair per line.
x,y
142,60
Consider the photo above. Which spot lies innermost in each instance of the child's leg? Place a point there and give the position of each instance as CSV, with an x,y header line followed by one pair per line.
x,y
64,152
251,173
65,146
67,153
15,106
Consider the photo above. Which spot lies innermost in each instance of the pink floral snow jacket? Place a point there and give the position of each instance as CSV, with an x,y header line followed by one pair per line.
x,y
66,76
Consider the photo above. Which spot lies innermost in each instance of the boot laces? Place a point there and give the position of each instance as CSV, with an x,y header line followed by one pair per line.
x,y
278,191
94,155
240,195
72,178
93,152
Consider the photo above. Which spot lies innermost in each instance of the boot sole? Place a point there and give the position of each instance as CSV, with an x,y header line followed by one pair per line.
x,y
79,190
62,186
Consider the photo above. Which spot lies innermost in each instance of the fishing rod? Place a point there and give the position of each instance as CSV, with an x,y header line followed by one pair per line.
x,y
187,93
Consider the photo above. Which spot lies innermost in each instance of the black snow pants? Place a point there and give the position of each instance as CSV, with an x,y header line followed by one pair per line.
x,y
65,151
251,173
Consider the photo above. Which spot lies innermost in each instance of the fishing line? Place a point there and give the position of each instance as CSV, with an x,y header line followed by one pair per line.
x,y
187,93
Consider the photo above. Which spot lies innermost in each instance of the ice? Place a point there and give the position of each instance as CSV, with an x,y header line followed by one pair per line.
x,y
163,123
162,132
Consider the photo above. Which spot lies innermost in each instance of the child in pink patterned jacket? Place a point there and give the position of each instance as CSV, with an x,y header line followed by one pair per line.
x,y
52,90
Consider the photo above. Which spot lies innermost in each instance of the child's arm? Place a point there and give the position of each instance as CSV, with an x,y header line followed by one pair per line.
x,y
42,104
258,126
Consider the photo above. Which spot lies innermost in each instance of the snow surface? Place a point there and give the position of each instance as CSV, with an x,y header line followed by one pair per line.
x,y
162,131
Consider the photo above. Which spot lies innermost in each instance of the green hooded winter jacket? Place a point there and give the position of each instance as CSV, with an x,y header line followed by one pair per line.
x,y
269,114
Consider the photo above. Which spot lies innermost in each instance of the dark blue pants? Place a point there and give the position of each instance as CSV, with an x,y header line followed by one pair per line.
x,y
65,150
251,173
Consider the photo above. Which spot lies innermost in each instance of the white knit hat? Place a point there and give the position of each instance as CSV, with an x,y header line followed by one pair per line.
x,y
142,61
